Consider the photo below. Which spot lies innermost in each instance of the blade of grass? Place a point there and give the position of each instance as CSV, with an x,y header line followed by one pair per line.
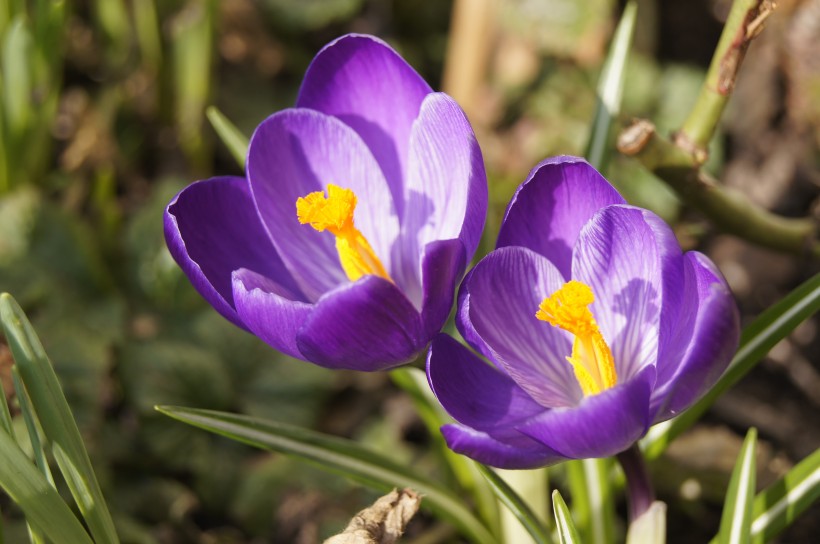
x,y
591,492
611,88
236,142
517,506
32,426
567,533
42,505
781,503
338,455
56,419
736,521
757,339
467,472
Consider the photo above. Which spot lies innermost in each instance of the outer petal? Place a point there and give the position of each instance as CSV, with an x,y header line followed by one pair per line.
x,y
446,187
365,83
505,289
295,152
548,210
211,228
489,451
366,325
442,266
268,311
626,255
601,425
713,341
473,392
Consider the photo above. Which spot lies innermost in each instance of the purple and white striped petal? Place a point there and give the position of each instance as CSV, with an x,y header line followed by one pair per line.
x,y
212,229
505,290
365,325
295,152
549,209
365,83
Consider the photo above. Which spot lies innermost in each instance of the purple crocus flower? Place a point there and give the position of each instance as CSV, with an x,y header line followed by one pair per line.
x,y
361,277
596,323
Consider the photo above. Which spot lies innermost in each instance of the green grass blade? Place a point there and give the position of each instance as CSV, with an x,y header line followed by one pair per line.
x,y
42,505
736,521
591,491
32,426
56,419
236,142
517,506
778,506
338,455
611,88
757,339
567,533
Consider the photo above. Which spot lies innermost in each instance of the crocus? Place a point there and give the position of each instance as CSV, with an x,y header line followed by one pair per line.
x,y
596,323
359,210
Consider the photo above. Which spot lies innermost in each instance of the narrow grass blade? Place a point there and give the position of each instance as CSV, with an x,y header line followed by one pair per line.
x,y
32,426
757,339
611,88
736,521
234,140
42,505
466,471
567,533
517,506
778,506
338,455
57,422
592,502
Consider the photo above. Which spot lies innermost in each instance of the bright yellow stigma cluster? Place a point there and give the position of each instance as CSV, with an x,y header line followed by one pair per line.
x,y
334,213
591,359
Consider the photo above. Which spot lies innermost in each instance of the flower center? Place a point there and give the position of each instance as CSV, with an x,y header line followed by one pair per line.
x,y
334,213
591,359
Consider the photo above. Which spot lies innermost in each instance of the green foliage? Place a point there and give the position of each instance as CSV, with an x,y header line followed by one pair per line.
x,y
736,522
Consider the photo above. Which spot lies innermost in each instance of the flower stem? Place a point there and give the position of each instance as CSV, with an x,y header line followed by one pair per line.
x,y
745,21
639,486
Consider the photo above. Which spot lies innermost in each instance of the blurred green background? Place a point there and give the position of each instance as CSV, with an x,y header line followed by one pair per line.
x,y
102,121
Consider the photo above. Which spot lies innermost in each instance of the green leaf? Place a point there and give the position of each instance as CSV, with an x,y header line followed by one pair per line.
x,y
337,455
467,472
517,506
567,533
591,491
42,505
736,521
56,419
778,506
236,142
611,88
757,339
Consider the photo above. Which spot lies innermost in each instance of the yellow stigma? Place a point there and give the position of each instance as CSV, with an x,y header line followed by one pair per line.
x,y
334,213
591,359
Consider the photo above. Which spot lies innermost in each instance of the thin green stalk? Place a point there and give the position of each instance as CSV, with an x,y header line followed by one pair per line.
x,y
745,21
729,210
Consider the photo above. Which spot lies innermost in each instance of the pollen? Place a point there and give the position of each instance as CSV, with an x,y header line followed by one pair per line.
x,y
591,359
334,213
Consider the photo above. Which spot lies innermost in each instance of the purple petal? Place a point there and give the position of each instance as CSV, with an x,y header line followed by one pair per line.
x,y
269,311
366,325
473,392
365,83
442,266
549,209
295,152
489,451
601,425
212,228
446,187
712,342
629,257
505,290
